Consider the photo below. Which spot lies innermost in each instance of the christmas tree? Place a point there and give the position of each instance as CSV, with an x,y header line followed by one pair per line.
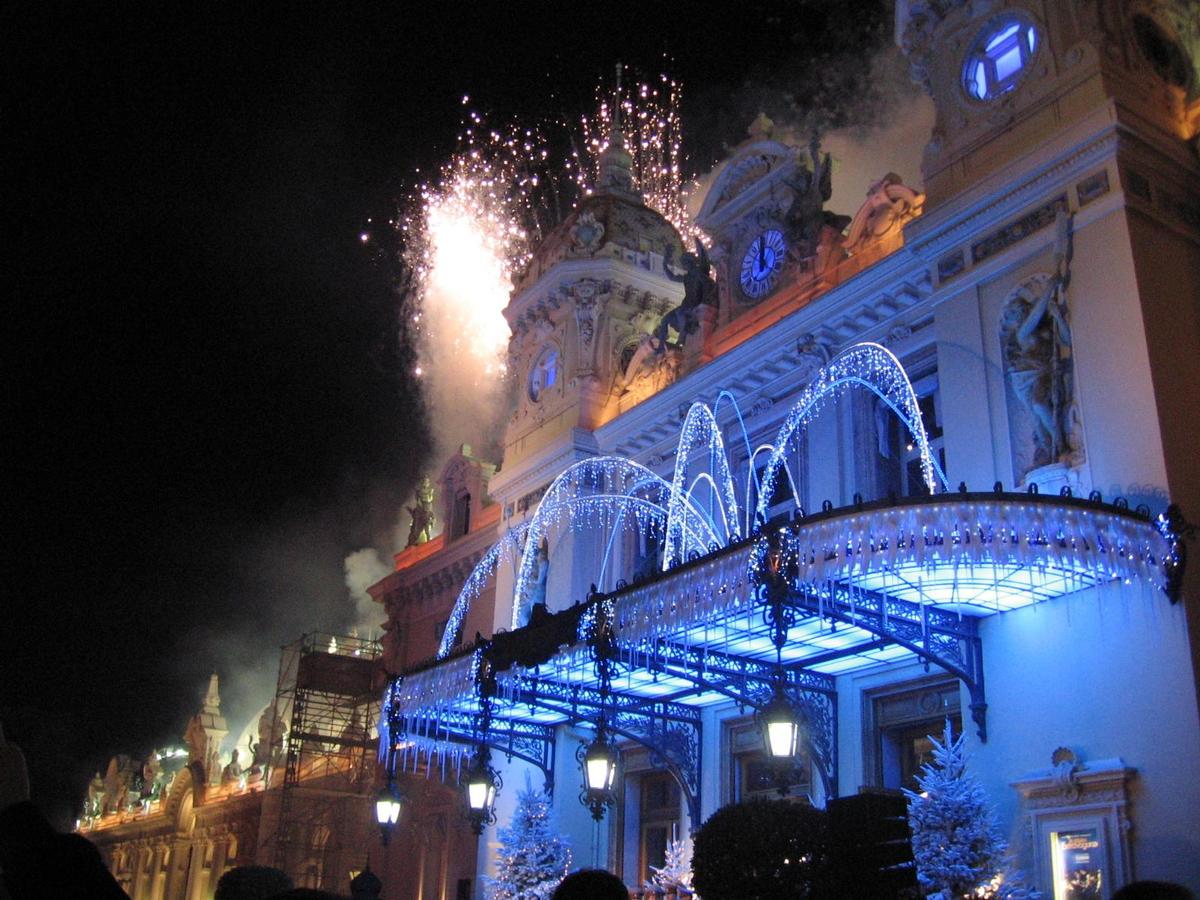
x,y
958,849
532,860
676,872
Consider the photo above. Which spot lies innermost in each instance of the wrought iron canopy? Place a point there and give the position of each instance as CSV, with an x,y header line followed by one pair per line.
x,y
865,585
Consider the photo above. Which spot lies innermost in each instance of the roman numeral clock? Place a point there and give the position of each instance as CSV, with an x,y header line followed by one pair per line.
x,y
762,264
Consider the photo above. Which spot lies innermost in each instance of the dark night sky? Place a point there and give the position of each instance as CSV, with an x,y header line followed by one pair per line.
x,y
204,408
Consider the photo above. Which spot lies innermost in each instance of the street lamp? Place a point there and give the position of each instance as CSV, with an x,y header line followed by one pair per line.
x,y
599,758
599,762
780,726
388,806
482,784
778,719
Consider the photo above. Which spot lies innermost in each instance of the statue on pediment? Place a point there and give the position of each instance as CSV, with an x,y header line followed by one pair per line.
x,y
812,187
421,529
232,772
94,805
699,289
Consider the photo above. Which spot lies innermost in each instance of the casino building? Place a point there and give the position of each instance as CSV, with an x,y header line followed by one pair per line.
x,y
882,470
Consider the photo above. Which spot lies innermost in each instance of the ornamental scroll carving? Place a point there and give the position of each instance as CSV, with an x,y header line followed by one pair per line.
x,y
586,300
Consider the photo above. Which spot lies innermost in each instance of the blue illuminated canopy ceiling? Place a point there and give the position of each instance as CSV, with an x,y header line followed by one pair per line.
x,y
867,585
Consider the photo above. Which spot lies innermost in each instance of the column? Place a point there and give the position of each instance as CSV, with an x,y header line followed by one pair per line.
x,y
196,881
177,870
220,854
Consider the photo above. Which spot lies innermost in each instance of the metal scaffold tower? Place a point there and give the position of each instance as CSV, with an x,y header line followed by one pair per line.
x,y
317,814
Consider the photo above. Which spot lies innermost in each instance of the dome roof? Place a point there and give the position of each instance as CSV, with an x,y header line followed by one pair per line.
x,y
611,222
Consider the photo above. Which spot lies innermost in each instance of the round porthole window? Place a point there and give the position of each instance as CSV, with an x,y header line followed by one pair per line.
x,y
999,58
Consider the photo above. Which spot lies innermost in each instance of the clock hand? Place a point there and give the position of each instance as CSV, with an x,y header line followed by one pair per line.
x,y
762,255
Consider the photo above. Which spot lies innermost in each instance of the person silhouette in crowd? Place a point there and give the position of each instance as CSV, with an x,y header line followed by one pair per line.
x,y
252,883
1153,890
591,884
36,861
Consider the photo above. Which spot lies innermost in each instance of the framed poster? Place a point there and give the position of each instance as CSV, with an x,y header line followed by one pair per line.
x,y
1077,864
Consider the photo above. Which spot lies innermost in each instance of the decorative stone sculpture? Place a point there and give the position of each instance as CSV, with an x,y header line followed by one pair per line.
x,y
543,574
233,771
421,529
806,216
812,355
94,806
699,289
1035,338
587,232
889,205
116,783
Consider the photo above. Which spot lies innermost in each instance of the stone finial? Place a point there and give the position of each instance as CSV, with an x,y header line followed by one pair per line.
x,y
212,700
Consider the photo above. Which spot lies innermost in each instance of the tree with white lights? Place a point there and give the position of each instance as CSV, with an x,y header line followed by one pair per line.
x,y
956,844
676,871
532,860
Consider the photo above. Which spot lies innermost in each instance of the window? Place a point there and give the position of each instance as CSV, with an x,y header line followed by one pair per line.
x,y
544,374
792,476
460,523
899,468
1001,55
753,776
646,557
903,722
658,821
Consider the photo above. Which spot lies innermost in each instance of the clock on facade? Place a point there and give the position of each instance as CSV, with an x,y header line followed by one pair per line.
x,y
762,264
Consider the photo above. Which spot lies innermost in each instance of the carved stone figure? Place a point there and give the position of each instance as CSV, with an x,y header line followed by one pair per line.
x,y
812,355
233,771
538,595
806,215
699,289
116,783
421,529
94,805
888,206
1035,338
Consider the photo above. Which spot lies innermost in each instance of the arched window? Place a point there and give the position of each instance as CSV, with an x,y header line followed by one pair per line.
x,y
1000,57
461,523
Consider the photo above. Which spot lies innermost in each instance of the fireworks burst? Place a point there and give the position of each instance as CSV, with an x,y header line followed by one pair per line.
x,y
652,133
466,235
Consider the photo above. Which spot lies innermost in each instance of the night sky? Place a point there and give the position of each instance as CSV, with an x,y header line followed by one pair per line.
x,y
206,405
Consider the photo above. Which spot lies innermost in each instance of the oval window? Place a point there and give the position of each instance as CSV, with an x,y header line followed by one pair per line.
x,y
544,374
1000,57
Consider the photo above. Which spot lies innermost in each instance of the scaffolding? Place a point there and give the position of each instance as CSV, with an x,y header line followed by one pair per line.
x,y
318,820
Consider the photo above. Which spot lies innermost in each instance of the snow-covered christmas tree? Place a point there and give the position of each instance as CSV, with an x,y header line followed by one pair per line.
x,y
532,860
956,844
676,871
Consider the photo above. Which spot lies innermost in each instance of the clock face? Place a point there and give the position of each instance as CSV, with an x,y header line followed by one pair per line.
x,y
762,264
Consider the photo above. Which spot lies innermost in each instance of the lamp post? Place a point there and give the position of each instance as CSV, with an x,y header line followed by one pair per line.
x,y
599,762
483,782
778,719
599,758
388,806
780,726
